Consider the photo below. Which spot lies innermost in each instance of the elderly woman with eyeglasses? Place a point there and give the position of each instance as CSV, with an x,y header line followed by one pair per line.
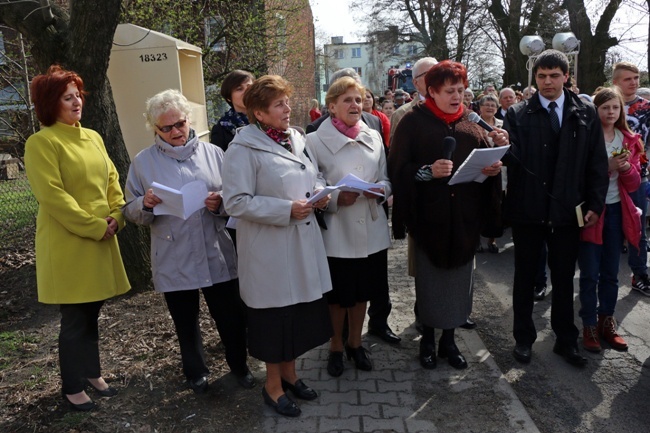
x,y
193,253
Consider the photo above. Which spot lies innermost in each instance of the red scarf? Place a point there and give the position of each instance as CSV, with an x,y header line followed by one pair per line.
x,y
448,118
348,131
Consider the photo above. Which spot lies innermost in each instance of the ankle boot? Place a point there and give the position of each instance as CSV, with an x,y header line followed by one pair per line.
x,y
590,339
607,325
427,355
447,349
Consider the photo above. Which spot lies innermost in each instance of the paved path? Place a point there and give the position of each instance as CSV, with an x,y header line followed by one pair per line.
x,y
400,396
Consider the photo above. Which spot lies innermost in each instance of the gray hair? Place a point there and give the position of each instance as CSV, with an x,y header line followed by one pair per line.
x,y
504,90
424,62
643,92
160,103
345,72
488,98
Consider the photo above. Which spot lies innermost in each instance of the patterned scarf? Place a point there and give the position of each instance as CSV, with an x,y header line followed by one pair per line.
x,y
280,137
446,117
232,120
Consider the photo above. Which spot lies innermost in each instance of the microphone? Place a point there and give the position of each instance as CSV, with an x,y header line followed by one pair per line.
x,y
473,117
448,146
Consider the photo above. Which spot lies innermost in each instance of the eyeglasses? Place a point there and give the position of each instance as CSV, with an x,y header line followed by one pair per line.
x,y
420,75
177,125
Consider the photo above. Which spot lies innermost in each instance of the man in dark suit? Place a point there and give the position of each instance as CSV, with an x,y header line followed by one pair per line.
x,y
557,161
380,306
507,98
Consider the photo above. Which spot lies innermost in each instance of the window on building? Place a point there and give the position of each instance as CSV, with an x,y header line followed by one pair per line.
x,y
214,33
396,49
412,49
356,52
338,54
358,71
281,32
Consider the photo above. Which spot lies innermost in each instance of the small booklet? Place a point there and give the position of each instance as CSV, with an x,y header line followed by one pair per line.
x,y
470,169
183,203
580,213
349,183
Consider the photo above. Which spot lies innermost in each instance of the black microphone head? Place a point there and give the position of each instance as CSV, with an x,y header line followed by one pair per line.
x,y
448,146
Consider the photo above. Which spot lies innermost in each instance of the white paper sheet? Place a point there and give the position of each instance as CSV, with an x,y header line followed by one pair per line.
x,y
470,169
353,183
183,203
322,193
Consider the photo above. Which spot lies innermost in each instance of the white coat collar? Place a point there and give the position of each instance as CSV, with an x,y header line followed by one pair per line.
x,y
334,140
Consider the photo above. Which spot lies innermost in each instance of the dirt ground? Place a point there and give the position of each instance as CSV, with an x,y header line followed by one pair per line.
x,y
140,357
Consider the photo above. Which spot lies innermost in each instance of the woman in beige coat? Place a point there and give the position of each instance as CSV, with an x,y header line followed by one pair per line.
x,y
357,238
267,179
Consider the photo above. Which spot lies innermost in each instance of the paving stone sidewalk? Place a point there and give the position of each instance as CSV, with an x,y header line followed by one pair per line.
x,y
400,396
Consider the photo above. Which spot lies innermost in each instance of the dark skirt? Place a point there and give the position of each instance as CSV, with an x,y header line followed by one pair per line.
x,y
283,334
357,280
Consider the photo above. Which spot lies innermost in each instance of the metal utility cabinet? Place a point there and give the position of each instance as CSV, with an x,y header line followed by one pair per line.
x,y
144,62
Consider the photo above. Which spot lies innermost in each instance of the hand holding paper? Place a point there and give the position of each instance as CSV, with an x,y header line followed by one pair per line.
x,y
471,170
183,203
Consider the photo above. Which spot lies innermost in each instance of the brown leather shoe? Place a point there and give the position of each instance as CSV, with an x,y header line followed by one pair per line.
x,y
590,339
607,328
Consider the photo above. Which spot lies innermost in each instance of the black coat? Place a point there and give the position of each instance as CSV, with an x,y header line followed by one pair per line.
x,y
221,136
550,174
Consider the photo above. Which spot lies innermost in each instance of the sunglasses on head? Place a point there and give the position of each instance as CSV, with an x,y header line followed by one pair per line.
x,y
177,125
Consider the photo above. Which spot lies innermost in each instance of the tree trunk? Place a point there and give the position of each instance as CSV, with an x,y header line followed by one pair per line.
x,y
82,42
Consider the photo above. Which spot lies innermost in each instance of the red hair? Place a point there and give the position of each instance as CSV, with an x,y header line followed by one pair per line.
x,y
47,89
446,72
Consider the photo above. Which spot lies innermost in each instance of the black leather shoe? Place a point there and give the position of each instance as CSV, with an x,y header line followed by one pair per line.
x,y
540,292
570,354
300,390
522,353
493,248
385,334
428,355
453,355
247,380
108,392
284,406
360,357
469,324
82,407
199,386
335,364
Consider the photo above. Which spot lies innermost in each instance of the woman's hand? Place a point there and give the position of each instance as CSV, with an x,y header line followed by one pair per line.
x,y
371,195
150,199
347,198
499,136
590,219
492,170
213,201
442,168
619,162
111,228
300,209
323,202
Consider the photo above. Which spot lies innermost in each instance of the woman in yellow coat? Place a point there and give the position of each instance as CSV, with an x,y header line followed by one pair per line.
x,y
78,262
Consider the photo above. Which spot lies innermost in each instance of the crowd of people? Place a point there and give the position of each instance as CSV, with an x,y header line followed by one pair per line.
x,y
287,259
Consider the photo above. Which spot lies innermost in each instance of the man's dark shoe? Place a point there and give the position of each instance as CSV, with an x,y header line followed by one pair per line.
x,y
570,354
246,380
199,386
469,324
522,353
540,292
385,334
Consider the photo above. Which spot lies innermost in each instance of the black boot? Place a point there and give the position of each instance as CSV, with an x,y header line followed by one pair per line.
x,y
448,349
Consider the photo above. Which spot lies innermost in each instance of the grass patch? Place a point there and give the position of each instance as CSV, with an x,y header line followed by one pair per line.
x,y
14,344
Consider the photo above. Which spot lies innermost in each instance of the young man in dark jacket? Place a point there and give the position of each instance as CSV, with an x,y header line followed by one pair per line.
x,y
557,163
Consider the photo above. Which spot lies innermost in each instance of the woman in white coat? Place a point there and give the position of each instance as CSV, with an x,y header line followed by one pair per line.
x,y
268,178
357,236
188,254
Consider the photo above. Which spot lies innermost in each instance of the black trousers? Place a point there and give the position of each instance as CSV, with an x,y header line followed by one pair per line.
x,y
79,345
380,304
562,243
227,310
